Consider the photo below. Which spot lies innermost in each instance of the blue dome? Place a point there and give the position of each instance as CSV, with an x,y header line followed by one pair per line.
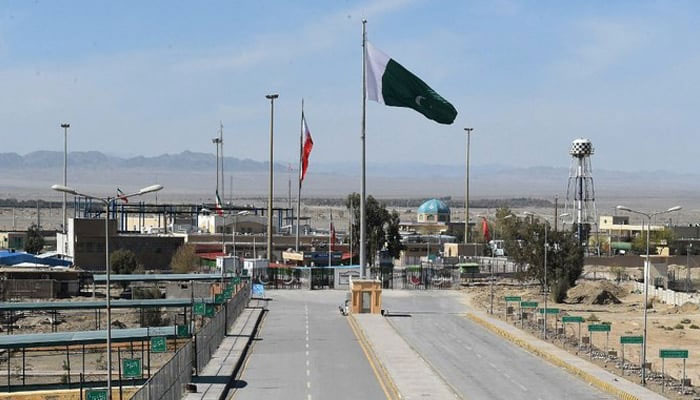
x,y
434,206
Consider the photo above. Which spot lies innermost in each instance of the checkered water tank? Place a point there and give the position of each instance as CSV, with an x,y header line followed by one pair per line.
x,y
581,148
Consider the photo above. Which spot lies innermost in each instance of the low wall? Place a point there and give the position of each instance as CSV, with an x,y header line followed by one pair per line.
x,y
669,296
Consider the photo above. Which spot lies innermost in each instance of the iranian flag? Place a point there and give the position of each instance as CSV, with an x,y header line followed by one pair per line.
x,y
219,209
306,149
390,83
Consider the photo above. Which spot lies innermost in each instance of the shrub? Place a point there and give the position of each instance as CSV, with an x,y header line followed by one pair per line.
x,y
686,321
693,326
559,290
679,326
592,318
668,328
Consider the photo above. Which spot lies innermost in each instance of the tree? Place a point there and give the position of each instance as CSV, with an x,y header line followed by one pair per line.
x,y
564,254
185,259
33,241
123,262
382,227
657,238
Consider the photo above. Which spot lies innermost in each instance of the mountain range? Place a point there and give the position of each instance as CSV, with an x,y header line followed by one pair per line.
x,y
190,175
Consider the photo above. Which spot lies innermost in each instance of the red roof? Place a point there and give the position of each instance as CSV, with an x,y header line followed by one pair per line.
x,y
210,256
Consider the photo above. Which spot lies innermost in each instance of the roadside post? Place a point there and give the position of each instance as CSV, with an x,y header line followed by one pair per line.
x,y
547,311
599,328
672,353
526,305
572,319
628,340
511,299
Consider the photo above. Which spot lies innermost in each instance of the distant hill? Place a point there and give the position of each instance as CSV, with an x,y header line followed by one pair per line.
x,y
190,175
187,160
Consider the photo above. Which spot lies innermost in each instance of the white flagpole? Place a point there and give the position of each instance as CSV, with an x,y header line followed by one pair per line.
x,y
330,237
301,150
364,123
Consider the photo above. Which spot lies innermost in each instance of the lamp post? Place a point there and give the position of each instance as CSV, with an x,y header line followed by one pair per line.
x,y
687,267
545,288
646,278
493,256
217,141
106,201
65,127
466,189
272,98
235,220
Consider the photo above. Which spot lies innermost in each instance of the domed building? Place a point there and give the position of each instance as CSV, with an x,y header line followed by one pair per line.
x,y
433,211
432,218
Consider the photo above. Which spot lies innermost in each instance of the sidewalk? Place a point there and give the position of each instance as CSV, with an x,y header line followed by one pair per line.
x,y
577,366
214,380
412,375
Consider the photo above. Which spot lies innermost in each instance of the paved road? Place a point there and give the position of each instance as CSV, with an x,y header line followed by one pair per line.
x,y
325,363
477,363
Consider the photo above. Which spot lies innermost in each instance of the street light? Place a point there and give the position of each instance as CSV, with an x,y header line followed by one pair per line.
x,y
545,289
646,278
65,127
272,98
106,200
217,141
493,255
223,241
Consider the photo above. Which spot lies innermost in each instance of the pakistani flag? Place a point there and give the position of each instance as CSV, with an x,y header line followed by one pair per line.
x,y
391,84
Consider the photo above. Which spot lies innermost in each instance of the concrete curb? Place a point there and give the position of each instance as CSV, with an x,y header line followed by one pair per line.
x,y
600,384
366,345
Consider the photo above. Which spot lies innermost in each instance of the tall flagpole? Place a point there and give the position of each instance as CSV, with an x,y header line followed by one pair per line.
x,y
364,123
301,150
330,237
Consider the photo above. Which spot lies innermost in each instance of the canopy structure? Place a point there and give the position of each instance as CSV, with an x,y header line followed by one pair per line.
x,y
83,337
102,278
93,305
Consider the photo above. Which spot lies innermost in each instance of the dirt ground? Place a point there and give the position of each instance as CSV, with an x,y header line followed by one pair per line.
x,y
50,365
669,327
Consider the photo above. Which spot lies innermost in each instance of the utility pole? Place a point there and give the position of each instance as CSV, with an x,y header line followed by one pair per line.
x,y
466,188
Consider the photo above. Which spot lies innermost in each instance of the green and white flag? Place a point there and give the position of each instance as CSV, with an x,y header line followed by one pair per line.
x,y
390,83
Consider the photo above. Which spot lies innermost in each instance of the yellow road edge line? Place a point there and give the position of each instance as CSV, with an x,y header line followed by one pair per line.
x,y
600,384
379,371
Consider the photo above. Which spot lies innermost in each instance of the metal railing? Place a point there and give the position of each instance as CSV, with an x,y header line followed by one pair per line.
x,y
169,382
208,339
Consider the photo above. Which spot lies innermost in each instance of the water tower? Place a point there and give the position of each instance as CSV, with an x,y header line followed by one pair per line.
x,y
580,193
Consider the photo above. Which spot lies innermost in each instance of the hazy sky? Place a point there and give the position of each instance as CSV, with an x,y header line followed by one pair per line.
x,y
135,77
